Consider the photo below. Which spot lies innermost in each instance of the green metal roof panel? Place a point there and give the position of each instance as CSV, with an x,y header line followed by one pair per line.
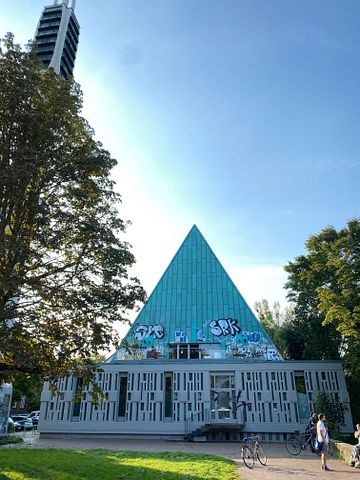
x,y
196,302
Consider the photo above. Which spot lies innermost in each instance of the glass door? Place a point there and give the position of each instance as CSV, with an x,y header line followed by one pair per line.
x,y
222,398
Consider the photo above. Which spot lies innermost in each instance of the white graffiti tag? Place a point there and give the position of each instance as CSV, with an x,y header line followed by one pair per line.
x,y
224,326
267,353
144,331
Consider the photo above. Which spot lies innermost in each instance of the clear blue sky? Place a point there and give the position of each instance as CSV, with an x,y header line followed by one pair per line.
x,y
241,116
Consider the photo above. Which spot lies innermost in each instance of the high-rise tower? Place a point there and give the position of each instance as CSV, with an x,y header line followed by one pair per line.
x,y
57,37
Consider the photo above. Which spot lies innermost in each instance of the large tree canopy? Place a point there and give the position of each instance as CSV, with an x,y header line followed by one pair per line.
x,y
63,259
324,286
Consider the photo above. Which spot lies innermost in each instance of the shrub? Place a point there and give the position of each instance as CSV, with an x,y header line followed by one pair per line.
x,y
333,409
10,439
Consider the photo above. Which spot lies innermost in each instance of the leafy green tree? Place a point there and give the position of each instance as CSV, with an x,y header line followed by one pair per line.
x,y
30,386
324,285
277,323
64,261
333,409
339,299
315,341
269,318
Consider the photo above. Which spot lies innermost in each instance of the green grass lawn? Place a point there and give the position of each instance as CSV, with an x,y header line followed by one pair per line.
x,y
57,464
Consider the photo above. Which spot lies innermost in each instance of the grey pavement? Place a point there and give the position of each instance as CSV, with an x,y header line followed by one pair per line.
x,y
280,465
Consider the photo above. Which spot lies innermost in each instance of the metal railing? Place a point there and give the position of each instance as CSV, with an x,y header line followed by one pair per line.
x,y
198,419
207,417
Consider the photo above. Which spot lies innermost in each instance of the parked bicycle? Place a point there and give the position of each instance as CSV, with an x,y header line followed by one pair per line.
x,y
294,445
251,450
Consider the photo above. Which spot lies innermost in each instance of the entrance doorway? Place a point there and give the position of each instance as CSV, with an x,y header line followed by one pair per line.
x,y
222,398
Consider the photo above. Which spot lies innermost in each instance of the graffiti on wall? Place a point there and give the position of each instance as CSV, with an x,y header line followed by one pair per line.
x,y
259,351
200,337
250,337
224,326
230,327
181,337
145,331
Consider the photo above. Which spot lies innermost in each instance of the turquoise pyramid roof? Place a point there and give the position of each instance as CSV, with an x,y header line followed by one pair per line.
x,y
196,302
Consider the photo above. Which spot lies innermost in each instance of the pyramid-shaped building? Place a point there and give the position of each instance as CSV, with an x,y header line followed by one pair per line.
x,y
196,311
196,363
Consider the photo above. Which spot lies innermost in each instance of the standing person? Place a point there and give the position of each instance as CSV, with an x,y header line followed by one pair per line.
x,y
311,429
323,439
355,454
357,432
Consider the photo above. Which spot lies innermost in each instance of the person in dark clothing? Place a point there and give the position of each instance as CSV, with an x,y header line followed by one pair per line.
x,y
311,428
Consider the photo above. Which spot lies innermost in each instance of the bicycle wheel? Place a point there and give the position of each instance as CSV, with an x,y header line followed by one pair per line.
x,y
261,455
293,446
247,456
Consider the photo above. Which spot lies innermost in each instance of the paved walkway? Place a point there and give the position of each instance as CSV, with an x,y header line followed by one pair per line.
x,y
281,465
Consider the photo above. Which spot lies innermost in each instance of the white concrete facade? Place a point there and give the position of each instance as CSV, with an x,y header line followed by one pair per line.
x,y
175,397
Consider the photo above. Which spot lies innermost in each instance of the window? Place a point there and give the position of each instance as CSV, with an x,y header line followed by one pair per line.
x,y
184,350
195,351
122,394
301,395
222,381
168,395
76,408
300,382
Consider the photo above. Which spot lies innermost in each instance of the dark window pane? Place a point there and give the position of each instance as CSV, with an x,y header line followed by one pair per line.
x,y
122,396
168,396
